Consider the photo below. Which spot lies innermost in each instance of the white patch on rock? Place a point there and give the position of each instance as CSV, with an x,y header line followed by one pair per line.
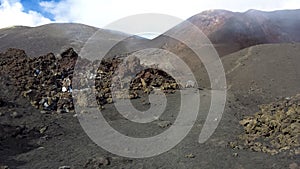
x,y
64,89
190,84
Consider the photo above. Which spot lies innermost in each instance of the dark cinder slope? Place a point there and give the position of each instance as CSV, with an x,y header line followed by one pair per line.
x,y
45,39
232,31
58,37
263,73
228,31
255,75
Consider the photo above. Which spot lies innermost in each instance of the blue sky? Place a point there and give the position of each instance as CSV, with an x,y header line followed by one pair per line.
x,y
34,5
99,13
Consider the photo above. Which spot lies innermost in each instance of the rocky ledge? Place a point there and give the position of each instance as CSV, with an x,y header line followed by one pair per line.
x,y
47,80
274,129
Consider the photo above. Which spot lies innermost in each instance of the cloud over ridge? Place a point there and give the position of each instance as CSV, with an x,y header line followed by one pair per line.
x,y
102,12
12,13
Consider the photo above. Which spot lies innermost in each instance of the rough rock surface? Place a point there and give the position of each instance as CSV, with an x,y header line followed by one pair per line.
x,y
47,80
274,129
58,140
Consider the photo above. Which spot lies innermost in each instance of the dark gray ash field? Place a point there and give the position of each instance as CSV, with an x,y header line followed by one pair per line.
x,y
260,126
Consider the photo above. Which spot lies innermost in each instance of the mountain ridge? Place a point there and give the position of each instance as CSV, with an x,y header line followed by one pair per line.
x,y
228,31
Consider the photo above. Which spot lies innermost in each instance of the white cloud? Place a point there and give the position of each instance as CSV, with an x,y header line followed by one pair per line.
x,y
291,4
102,12
12,13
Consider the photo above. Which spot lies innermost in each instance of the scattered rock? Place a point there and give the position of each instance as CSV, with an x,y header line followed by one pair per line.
x,y
109,100
190,156
98,162
164,124
43,112
15,115
47,80
234,145
64,89
151,78
64,167
235,154
190,84
4,167
43,129
274,129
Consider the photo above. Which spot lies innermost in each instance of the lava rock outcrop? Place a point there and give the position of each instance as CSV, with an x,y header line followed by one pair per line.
x,y
47,80
274,129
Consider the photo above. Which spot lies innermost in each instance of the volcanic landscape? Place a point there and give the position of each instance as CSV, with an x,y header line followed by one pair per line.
x,y
259,128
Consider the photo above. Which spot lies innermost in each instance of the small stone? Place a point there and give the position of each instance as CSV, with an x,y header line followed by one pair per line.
x,y
15,115
276,123
98,162
146,103
40,148
46,105
64,89
143,83
25,94
235,154
4,167
190,84
43,112
233,145
42,130
164,124
147,90
190,155
64,167
109,100
84,112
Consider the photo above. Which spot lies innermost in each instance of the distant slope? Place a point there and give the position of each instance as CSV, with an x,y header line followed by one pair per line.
x,y
44,39
228,31
262,73
232,31
58,37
